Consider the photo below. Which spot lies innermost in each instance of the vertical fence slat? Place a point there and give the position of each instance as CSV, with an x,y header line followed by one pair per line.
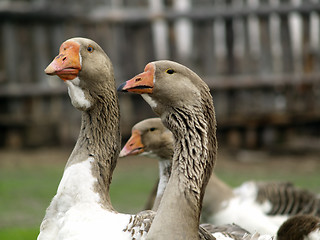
x,y
286,43
25,54
41,55
10,52
220,40
230,43
307,57
204,48
159,30
265,48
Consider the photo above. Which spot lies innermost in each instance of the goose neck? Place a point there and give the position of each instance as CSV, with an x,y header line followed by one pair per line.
x,y
195,151
193,160
99,139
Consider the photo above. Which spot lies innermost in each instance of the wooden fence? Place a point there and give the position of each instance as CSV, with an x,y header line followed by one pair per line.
x,y
260,58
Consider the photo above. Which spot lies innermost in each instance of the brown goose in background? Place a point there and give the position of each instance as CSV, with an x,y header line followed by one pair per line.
x,y
149,137
81,208
184,103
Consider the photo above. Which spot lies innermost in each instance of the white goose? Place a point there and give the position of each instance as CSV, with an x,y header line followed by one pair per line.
x,y
184,103
256,206
81,208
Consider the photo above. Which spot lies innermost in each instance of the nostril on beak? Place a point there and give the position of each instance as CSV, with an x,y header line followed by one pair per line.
x,y
64,58
137,79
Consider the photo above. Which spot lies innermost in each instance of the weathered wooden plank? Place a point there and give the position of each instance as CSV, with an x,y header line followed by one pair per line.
x,y
40,53
24,54
239,39
10,52
215,82
307,57
29,90
286,43
183,31
266,81
248,61
204,48
265,47
2,58
230,47
160,31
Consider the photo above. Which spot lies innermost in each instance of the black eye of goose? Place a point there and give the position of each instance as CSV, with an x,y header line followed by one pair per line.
x,y
152,129
90,49
170,71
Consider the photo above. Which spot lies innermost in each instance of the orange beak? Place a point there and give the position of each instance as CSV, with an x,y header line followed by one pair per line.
x,y
142,83
134,145
67,64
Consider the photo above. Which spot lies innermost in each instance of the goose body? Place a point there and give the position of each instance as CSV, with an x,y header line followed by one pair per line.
x,y
81,208
256,206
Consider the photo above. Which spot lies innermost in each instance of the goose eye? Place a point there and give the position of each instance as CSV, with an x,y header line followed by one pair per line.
x,y
90,49
170,71
152,129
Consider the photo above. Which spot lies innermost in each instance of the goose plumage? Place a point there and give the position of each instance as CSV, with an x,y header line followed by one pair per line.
x,y
273,201
81,208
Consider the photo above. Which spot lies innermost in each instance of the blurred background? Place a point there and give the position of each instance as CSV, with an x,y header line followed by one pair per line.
x,y
260,58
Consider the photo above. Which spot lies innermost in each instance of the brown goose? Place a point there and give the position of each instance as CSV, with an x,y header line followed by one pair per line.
x,y
149,137
245,205
81,208
184,103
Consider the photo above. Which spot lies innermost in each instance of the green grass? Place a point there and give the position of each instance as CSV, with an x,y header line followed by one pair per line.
x,y
25,193
27,186
130,188
19,233
26,190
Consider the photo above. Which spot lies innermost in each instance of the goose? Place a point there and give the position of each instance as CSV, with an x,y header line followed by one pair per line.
x,y
221,203
184,104
81,208
151,138
300,227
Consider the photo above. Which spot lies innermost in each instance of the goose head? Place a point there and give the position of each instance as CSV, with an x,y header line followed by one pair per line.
x,y
149,137
166,84
85,68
